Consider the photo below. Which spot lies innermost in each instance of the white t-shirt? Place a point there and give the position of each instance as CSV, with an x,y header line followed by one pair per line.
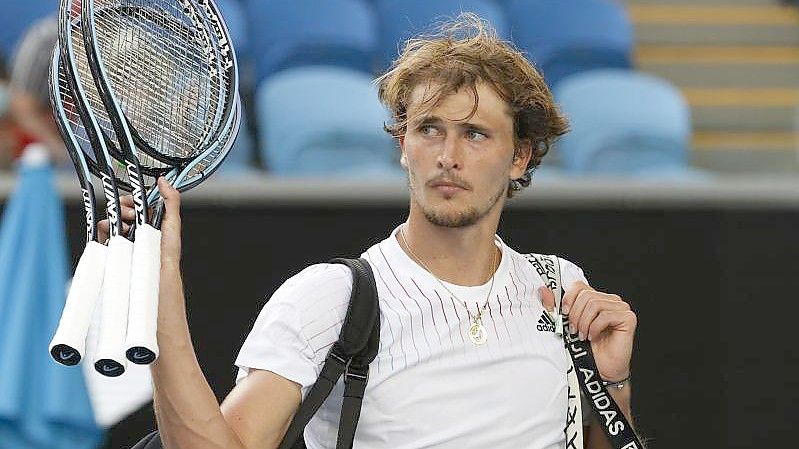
x,y
429,386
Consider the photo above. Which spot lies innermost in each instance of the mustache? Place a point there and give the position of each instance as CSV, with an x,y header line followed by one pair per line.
x,y
449,179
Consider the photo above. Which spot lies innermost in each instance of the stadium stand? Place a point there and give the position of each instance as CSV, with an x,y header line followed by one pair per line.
x,y
735,63
738,65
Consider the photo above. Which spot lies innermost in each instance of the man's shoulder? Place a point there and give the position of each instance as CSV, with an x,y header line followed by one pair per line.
x,y
321,272
321,275
318,286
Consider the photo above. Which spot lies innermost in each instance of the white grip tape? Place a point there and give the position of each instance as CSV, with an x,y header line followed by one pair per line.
x,y
115,298
81,299
144,287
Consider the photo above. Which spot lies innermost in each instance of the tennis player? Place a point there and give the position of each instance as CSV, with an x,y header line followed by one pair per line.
x,y
467,356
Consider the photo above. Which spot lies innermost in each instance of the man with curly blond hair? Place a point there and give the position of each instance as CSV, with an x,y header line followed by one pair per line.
x,y
468,356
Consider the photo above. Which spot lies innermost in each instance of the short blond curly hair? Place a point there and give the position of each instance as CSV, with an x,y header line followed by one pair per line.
x,y
461,53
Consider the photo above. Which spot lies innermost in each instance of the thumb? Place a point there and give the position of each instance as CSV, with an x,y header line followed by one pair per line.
x,y
171,200
170,226
547,298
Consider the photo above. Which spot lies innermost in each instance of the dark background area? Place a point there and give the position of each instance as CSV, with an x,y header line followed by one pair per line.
x,y
714,290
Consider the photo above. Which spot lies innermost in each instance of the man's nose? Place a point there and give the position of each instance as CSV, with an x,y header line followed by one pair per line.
x,y
450,156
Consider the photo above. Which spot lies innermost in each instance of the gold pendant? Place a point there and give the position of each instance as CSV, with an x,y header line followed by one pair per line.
x,y
477,333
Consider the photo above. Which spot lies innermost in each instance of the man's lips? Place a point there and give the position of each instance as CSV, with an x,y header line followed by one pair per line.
x,y
448,187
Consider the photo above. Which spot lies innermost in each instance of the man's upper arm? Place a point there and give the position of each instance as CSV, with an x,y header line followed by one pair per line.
x,y
278,361
260,408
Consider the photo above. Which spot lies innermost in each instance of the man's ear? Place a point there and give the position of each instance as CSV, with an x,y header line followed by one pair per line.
x,y
521,157
403,159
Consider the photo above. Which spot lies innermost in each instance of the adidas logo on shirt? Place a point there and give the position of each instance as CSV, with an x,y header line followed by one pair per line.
x,y
545,323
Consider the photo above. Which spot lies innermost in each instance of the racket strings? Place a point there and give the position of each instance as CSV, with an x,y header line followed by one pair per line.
x,y
72,117
97,106
81,134
160,72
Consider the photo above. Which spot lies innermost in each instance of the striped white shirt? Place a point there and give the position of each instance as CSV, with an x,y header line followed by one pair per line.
x,y
429,386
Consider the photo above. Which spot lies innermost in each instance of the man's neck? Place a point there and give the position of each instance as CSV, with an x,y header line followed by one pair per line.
x,y
463,256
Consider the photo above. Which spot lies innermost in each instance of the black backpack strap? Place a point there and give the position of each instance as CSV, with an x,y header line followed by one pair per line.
x,y
331,371
357,373
358,343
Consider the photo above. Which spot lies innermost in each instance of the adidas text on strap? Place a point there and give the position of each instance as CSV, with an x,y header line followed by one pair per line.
x,y
614,423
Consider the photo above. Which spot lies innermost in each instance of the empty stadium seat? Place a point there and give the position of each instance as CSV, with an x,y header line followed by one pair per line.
x,y
401,19
321,120
564,37
290,33
624,123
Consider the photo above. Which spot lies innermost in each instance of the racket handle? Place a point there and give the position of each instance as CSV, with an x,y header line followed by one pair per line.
x,y
68,345
110,357
141,343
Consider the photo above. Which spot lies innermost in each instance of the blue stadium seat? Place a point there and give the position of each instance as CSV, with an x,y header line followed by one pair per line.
x,y
290,33
564,37
15,19
624,123
233,13
322,120
402,19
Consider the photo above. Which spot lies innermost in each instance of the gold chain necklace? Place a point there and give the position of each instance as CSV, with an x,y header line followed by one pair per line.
x,y
477,332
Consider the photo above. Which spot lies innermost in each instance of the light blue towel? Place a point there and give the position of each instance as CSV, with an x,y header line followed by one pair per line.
x,y
42,404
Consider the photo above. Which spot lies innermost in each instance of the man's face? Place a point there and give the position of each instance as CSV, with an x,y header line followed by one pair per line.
x,y
458,170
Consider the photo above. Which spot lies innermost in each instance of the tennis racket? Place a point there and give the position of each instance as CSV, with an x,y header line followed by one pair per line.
x,y
69,341
167,77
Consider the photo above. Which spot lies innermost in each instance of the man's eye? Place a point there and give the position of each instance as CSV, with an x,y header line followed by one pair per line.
x,y
476,135
428,130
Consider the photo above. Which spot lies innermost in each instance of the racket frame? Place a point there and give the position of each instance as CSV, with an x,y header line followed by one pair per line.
x,y
115,114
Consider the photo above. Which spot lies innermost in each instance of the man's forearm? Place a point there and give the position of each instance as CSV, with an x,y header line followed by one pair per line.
x,y
187,410
595,437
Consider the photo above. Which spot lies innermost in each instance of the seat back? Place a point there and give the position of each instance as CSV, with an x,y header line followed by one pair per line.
x,y
622,122
323,120
291,33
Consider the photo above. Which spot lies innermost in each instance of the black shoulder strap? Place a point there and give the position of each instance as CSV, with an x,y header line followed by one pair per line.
x,y
350,355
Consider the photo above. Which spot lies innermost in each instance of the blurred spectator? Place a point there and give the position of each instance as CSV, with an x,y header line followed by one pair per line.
x,y
8,140
29,99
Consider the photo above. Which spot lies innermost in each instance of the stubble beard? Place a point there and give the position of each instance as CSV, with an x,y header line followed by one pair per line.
x,y
455,219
